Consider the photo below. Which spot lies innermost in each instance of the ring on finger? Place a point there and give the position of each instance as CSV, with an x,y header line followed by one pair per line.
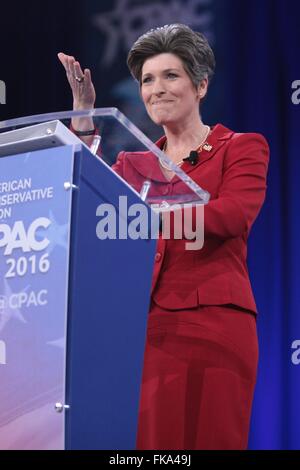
x,y
78,79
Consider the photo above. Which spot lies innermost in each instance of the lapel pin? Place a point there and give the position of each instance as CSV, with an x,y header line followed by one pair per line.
x,y
207,147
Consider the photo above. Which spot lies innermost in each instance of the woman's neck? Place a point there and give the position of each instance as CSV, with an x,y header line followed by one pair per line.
x,y
181,141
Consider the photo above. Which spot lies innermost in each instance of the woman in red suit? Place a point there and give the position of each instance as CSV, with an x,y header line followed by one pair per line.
x,y
201,352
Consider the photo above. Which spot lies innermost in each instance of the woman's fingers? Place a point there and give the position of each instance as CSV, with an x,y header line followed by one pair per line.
x,y
64,60
77,70
67,61
61,57
83,90
87,76
71,66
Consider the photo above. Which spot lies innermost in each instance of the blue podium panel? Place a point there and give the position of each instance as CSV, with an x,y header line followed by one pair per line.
x,y
35,210
108,305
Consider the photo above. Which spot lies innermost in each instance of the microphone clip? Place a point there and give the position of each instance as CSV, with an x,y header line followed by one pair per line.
x,y
192,158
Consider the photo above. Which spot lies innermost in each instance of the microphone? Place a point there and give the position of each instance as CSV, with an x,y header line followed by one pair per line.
x,y
192,158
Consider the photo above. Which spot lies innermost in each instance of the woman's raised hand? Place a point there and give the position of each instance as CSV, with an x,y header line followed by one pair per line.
x,y
84,95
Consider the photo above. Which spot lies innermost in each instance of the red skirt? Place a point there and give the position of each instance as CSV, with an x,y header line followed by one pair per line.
x,y
198,379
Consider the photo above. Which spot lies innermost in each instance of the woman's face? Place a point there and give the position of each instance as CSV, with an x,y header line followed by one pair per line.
x,y
167,90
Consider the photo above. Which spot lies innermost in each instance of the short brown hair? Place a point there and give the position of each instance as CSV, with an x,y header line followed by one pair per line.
x,y
191,47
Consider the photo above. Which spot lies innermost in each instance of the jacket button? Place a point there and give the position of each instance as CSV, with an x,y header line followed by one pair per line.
x,y
157,257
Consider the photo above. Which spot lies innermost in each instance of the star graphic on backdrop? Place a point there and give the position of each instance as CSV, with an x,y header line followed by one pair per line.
x,y
59,343
57,234
6,312
128,20
26,156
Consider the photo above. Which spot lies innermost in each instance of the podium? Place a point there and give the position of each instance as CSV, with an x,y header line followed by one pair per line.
x,y
75,287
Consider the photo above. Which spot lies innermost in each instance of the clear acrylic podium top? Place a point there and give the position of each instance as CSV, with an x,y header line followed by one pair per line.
x,y
115,133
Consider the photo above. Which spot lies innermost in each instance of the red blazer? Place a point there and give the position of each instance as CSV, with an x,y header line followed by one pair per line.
x,y
234,173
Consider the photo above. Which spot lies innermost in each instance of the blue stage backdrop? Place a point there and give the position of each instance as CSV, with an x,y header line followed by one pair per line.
x,y
256,50
256,44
